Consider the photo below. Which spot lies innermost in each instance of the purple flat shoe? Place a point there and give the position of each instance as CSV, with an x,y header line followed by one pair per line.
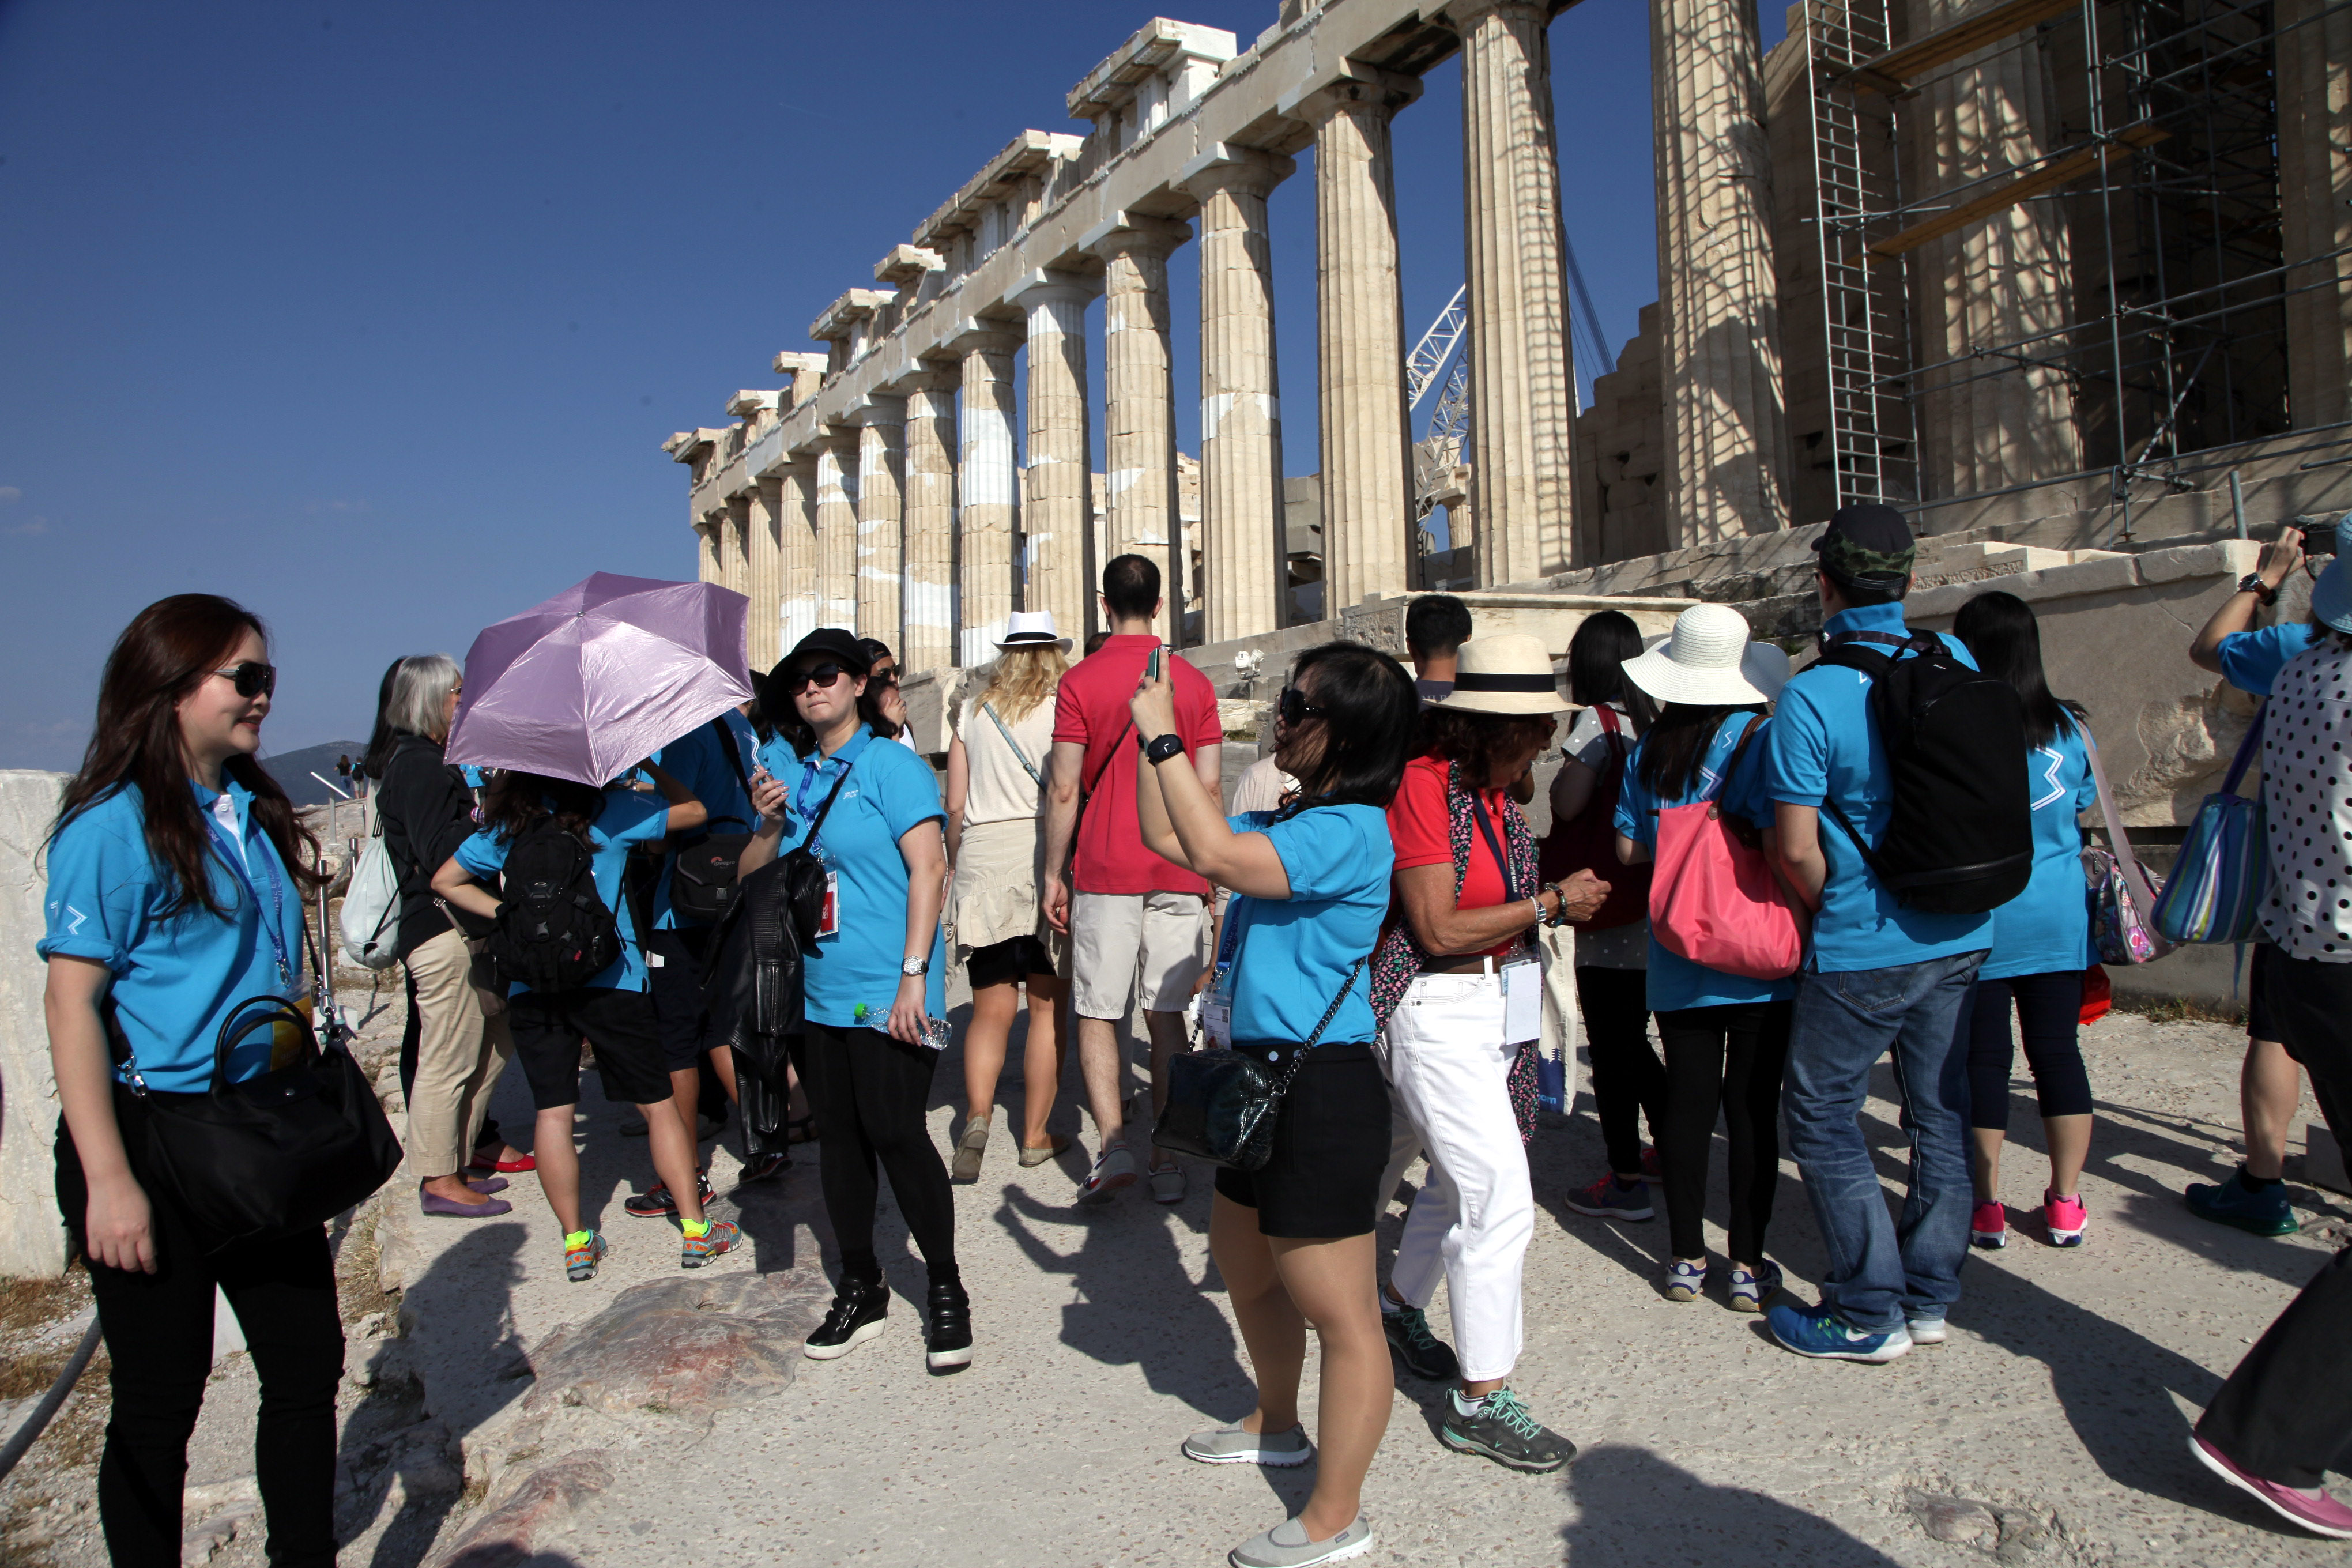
x,y
449,1208
485,1185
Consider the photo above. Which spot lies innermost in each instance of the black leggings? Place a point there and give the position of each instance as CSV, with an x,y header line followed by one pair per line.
x,y
1628,1083
1729,1058
868,1092
2049,1012
159,1345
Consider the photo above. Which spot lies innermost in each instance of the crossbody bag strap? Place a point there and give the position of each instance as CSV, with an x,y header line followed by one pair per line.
x,y
2248,750
1022,757
816,823
1298,1057
1108,757
2117,839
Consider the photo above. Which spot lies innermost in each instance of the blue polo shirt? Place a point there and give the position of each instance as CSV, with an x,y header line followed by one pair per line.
x,y
2046,930
1825,745
2251,660
697,760
1291,955
630,818
1674,981
175,978
890,790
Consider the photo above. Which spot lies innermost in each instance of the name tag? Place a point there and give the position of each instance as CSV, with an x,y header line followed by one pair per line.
x,y
828,923
1522,1002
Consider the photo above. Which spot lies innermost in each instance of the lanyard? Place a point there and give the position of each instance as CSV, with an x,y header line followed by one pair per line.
x,y
1502,861
276,897
811,771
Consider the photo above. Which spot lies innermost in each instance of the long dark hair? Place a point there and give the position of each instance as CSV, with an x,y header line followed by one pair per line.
x,y
1597,655
1674,752
1370,710
516,800
165,654
785,714
382,738
2006,642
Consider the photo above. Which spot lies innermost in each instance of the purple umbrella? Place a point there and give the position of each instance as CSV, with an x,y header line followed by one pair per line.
x,y
600,675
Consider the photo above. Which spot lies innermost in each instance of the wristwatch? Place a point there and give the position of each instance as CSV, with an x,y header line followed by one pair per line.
x,y
911,967
1163,748
2252,582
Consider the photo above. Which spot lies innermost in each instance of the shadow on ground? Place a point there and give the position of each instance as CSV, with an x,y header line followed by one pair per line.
x,y
1634,1508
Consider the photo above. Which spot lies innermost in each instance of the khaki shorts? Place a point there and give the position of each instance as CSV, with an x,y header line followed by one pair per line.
x,y
1145,942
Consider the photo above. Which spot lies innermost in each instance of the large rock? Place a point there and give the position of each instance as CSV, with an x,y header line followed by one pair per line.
x,y
682,1348
31,1239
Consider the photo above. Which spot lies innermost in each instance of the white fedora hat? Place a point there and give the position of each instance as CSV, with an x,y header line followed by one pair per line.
x,y
1705,661
1509,674
1031,628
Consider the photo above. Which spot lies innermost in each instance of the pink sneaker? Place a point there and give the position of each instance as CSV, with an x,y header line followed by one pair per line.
x,y
1988,1225
2064,1217
2315,1512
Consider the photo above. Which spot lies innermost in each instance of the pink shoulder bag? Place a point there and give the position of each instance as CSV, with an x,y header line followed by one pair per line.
x,y
1713,896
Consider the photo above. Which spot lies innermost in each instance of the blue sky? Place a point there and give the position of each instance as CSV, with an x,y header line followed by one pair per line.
x,y
375,318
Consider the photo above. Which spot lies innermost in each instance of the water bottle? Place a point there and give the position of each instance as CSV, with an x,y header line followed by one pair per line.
x,y
937,1033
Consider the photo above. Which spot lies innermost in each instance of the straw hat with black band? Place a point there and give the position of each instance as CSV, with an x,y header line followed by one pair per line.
x,y
1032,628
1508,675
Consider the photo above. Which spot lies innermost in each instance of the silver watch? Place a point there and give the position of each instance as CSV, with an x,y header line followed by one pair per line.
x,y
911,967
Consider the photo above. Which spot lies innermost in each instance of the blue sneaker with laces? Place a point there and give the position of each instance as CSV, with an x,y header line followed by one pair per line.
x,y
2233,1203
1819,1331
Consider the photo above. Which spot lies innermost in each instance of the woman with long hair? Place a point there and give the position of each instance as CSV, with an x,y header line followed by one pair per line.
x,y
872,981
176,874
1726,1036
1294,1239
2041,941
996,796
456,1042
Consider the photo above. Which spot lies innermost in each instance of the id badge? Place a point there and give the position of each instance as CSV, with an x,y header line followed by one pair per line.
x,y
829,923
1217,1009
1522,1002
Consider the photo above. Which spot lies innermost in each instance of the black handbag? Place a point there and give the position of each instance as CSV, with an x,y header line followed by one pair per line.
x,y
1221,1104
702,877
275,1154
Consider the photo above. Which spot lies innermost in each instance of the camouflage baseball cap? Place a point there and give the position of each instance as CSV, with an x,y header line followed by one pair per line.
x,y
1868,546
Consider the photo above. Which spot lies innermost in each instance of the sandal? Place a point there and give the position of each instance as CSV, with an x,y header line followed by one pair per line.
x,y
1054,1151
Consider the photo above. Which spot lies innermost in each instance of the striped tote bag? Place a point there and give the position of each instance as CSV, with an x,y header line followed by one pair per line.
x,y
2216,890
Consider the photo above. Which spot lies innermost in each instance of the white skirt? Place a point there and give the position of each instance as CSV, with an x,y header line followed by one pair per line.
x,y
993,897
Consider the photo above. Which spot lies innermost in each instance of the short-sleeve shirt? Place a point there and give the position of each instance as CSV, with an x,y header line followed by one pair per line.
x,y
1825,746
697,760
2046,930
1420,827
885,791
629,818
2307,801
1091,710
176,978
1293,954
1676,982
2251,660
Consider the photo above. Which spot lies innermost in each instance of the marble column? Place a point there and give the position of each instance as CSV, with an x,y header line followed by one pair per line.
x,y
764,569
1522,379
1056,510
1366,440
881,520
1138,398
2314,162
797,552
707,567
736,565
988,487
1726,425
1243,563
836,528
930,519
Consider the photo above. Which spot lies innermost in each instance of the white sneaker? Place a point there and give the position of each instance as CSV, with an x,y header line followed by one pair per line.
x,y
1927,1330
1114,1170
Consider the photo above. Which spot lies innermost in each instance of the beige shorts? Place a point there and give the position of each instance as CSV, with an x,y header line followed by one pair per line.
x,y
1149,943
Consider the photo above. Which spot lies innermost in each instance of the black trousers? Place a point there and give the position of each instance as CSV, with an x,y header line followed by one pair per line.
x,y
158,1347
2048,1010
1628,1082
868,1092
1727,1058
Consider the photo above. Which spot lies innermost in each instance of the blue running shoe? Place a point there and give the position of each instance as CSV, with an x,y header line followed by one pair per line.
x,y
1820,1332
1604,1199
2267,1213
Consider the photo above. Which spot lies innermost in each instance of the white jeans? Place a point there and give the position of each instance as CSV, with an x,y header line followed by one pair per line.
x,y
1474,1217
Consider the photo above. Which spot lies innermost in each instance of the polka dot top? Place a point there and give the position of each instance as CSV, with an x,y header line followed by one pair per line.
x,y
2308,802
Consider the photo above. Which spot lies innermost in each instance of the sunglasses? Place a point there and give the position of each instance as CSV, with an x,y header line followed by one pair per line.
x,y
816,675
884,677
253,678
1296,709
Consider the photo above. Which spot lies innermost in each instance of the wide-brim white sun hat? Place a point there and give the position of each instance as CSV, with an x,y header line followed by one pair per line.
x,y
1703,663
1509,674
1766,666
1031,628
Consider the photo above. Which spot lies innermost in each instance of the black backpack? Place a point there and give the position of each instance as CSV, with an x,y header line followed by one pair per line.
x,y
554,933
1960,838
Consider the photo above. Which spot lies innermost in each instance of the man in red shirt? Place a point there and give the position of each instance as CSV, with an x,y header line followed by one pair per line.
x,y
1135,921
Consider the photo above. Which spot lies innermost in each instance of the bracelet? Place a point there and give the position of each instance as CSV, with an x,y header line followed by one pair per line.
x,y
1535,902
1559,917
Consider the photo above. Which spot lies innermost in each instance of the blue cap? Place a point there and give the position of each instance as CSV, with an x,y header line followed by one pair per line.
x,y
2331,597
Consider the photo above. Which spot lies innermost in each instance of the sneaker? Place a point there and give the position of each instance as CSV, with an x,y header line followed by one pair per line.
x,y
947,1327
1500,1428
2267,1213
1422,1354
1988,1225
859,1310
719,1236
761,1168
1927,1330
1753,1290
655,1200
1286,1546
2315,1512
1604,1199
2065,1218
1653,1168
1820,1332
1114,1170
1167,1184
580,1257
1686,1278
969,1149
1233,1445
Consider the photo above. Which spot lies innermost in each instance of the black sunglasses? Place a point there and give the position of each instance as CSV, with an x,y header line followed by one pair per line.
x,y
253,678
823,674
883,678
1296,708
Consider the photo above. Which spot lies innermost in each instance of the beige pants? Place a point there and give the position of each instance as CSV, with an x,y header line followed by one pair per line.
x,y
459,1055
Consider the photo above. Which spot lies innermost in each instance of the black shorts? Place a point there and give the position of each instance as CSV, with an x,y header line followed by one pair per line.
x,y
676,982
549,1025
2259,1026
1330,1144
1004,963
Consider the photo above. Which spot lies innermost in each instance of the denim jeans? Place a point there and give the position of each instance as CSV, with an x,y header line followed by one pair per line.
x,y
1880,1272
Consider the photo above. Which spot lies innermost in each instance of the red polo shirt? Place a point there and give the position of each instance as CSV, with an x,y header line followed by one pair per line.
x,y
1091,710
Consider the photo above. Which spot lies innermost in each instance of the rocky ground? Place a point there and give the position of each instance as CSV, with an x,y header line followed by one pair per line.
x,y
496,1414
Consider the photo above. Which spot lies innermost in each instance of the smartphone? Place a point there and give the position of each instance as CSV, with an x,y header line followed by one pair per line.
x,y
2319,539
1152,665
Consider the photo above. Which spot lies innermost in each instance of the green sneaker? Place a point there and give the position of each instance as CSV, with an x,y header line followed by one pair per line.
x,y
1420,1353
1500,1428
580,1257
694,1251
2233,1203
